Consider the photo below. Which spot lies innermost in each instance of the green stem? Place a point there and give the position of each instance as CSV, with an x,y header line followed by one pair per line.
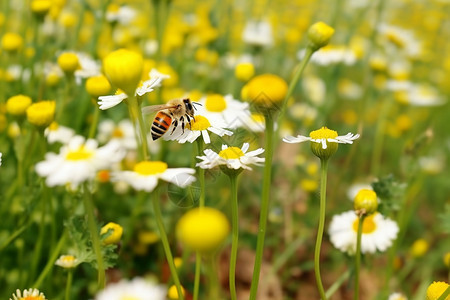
x,y
165,242
264,204
323,196
234,235
68,284
89,210
94,123
198,264
445,294
13,236
358,256
335,286
213,280
135,114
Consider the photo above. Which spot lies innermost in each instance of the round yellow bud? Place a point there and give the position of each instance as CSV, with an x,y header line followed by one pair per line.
x,y
266,90
114,236
244,71
41,114
203,229
41,7
365,202
68,62
12,42
97,86
52,79
17,105
319,35
13,130
123,68
419,248
436,289
172,293
317,148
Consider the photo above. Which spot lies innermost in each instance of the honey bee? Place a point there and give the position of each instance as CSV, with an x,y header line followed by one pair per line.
x,y
176,111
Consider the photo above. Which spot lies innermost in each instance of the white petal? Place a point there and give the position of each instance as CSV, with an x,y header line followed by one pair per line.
x,y
298,139
206,136
245,147
181,177
110,101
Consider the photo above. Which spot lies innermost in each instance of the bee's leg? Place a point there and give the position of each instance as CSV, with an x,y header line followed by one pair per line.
x,y
188,119
175,124
182,123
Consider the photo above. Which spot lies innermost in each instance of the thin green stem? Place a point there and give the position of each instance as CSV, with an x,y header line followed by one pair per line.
x,y
264,205
198,264
323,197
13,236
335,286
136,115
234,235
89,210
165,242
94,123
358,256
445,294
68,284
214,291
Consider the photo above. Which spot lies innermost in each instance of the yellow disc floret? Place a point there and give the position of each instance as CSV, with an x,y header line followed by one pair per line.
x,y
203,229
266,90
172,293
365,202
419,248
17,105
323,134
231,153
436,289
116,233
41,114
98,86
369,224
200,123
79,154
12,42
68,62
215,103
150,167
244,71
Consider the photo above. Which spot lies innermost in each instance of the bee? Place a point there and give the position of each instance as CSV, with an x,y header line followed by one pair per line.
x,y
175,111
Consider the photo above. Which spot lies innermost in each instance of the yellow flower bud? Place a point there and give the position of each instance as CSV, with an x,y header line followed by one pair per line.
x,y
172,293
317,149
419,248
365,202
203,229
244,71
41,7
123,68
98,86
266,90
447,259
436,289
115,235
12,42
319,35
68,62
17,105
41,114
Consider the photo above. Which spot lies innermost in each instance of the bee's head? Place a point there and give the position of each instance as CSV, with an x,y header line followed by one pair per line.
x,y
189,107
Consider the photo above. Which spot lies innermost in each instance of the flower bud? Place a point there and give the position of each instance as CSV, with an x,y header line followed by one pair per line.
x,y
115,235
41,114
266,90
366,202
319,35
244,71
97,86
12,42
17,105
68,62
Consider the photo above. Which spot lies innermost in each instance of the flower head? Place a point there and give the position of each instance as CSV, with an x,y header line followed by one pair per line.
x,y
97,86
436,289
319,35
146,174
17,105
67,261
378,232
366,202
244,71
115,235
58,133
266,90
135,289
11,42
41,7
203,229
30,294
68,62
41,114
172,293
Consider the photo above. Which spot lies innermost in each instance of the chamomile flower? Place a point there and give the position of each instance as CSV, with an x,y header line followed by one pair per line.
x,y
145,87
121,14
78,161
58,133
122,132
146,174
136,289
258,33
67,261
378,232
30,294
331,54
232,157
198,127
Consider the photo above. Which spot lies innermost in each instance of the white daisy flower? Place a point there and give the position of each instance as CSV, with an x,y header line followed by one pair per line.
x,y
232,157
67,261
399,39
58,133
123,132
89,67
136,289
378,232
255,122
397,296
198,127
323,136
231,112
78,161
145,175
28,294
331,54
106,102
258,33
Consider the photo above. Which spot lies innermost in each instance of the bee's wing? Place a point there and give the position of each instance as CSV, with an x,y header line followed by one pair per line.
x,y
153,108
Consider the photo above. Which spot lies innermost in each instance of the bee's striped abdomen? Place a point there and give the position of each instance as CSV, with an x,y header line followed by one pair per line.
x,y
160,124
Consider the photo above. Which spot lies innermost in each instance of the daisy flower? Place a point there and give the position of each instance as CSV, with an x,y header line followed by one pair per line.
x,y
67,261
323,136
123,132
198,127
378,232
136,289
397,296
232,157
123,15
331,54
145,175
30,294
145,87
78,161
58,133
258,33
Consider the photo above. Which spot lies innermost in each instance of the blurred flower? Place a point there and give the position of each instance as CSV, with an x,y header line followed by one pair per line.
x,y
353,190
366,202
231,157
0,158
230,112
41,114
198,127
400,39
446,256
315,88
172,293
30,294
258,33
40,7
115,235
68,62
78,161
203,229
123,14
58,133
244,71
378,232
254,122
331,54
266,90
11,42
349,89
145,175
419,248
97,86
88,67
397,296
17,105
122,132
67,261
319,35
136,289
436,289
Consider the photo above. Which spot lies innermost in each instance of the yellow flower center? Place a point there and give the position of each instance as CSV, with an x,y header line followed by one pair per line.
x,y
436,289
12,41
323,133
68,62
259,118
150,167
127,297
42,113
80,154
200,123
369,224
215,103
68,258
117,133
32,298
231,153
98,86
53,127
394,38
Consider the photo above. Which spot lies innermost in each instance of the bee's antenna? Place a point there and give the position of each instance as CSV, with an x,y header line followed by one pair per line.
x,y
196,103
